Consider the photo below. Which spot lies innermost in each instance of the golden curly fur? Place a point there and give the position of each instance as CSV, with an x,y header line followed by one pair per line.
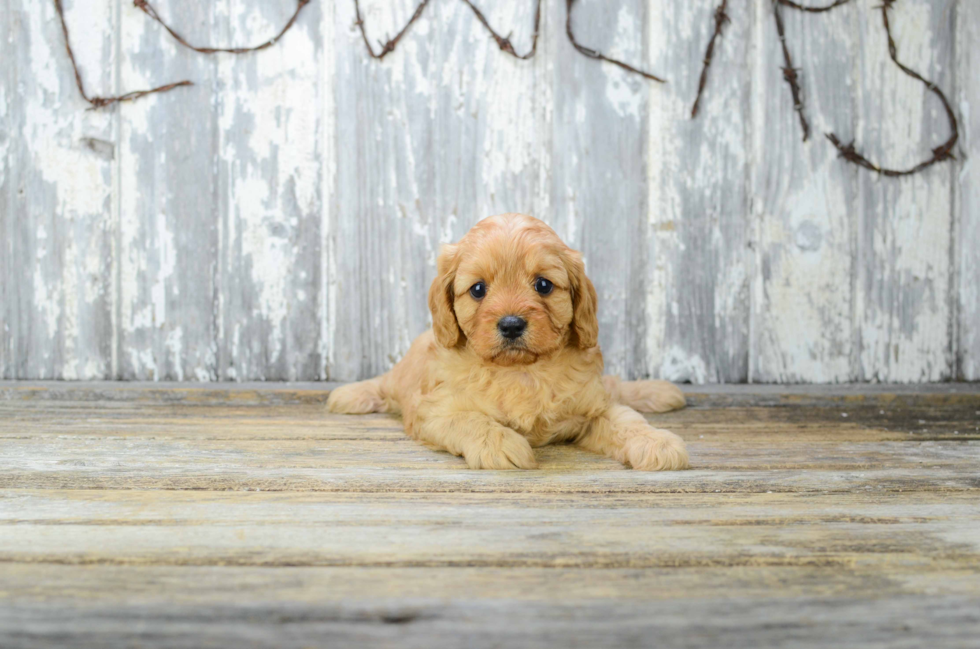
x,y
466,388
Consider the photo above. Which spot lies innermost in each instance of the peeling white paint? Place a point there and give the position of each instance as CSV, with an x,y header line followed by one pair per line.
x,y
849,275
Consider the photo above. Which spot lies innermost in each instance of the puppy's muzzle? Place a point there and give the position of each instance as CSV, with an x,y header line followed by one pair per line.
x,y
512,327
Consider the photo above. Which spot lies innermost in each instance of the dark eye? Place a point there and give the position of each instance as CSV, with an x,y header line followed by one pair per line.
x,y
543,286
478,290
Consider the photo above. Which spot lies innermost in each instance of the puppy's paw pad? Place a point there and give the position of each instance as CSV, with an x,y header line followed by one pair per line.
x,y
501,451
657,450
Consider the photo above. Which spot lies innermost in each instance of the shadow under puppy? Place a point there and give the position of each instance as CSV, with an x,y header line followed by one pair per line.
x,y
512,361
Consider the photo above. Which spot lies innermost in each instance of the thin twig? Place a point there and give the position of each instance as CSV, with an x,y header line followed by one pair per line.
x,y
102,102
720,19
391,43
791,74
148,9
503,42
812,10
942,152
596,54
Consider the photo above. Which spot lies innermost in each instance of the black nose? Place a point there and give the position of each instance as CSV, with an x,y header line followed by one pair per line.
x,y
511,326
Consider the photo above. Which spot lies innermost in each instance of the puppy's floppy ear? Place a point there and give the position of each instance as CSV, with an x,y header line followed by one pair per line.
x,y
585,324
441,296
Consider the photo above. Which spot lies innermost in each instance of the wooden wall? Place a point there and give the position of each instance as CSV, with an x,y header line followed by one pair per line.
x,y
280,219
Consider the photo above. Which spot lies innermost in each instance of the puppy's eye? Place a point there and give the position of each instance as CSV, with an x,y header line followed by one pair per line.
x,y
543,286
478,290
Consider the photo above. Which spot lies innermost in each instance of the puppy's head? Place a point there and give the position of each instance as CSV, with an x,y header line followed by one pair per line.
x,y
512,291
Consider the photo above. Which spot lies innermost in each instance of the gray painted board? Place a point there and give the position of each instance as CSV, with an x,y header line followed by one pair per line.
x,y
803,200
280,219
966,233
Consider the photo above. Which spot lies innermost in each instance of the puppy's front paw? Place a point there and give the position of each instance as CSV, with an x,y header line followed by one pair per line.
x,y
500,449
656,450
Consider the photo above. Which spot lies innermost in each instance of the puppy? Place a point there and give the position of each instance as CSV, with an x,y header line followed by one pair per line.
x,y
512,361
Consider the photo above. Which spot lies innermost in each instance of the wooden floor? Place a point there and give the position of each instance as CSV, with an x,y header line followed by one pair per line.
x,y
175,516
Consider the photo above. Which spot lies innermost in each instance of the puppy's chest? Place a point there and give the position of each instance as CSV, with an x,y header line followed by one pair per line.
x,y
539,409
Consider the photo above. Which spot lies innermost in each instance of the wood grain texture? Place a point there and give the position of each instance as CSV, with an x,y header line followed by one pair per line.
x,y
901,621
279,220
57,240
269,196
599,203
166,211
804,199
162,516
967,192
700,264
903,307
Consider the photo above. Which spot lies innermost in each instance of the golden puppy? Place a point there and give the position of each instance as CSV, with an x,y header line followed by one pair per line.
x,y
512,361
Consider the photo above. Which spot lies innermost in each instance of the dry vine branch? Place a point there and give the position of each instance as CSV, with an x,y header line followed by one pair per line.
x,y
720,19
596,54
101,102
148,9
503,42
812,10
389,45
791,74
942,152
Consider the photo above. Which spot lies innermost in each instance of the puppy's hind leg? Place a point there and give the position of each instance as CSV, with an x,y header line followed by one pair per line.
x,y
623,434
645,396
357,398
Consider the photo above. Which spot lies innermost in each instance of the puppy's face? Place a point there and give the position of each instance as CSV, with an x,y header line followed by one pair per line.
x,y
512,291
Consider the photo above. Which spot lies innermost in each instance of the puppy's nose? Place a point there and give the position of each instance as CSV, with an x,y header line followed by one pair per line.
x,y
512,327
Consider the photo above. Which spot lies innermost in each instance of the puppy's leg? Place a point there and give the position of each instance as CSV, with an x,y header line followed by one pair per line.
x,y
623,434
357,398
483,443
645,396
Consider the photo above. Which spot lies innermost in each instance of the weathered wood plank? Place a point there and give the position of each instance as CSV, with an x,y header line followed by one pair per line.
x,y
599,185
167,214
511,530
269,167
109,585
441,133
261,393
902,279
356,465
190,455
803,198
839,424
57,222
699,265
967,191
422,622
6,197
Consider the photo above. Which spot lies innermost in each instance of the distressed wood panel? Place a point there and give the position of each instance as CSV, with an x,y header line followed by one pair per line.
x,y
804,198
902,284
167,207
436,531
6,208
280,219
57,221
967,191
269,179
700,264
422,622
599,200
